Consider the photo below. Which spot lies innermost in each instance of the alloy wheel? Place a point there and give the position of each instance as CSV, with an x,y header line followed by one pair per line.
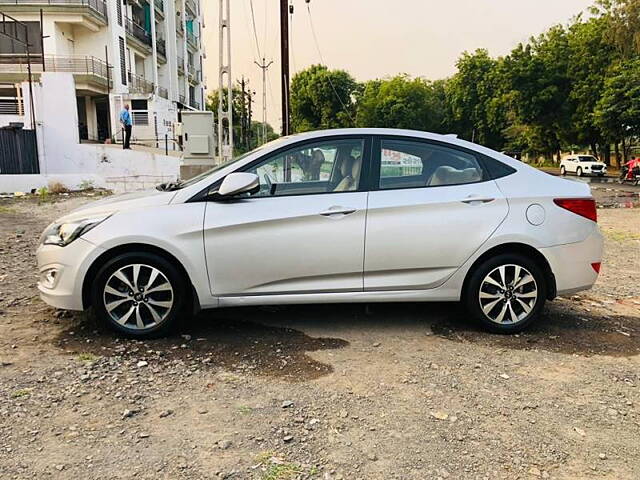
x,y
138,296
508,294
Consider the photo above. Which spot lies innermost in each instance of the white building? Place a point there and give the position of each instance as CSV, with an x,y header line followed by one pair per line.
x,y
147,53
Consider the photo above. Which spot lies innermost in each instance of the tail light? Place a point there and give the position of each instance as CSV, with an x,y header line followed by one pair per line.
x,y
585,207
596,267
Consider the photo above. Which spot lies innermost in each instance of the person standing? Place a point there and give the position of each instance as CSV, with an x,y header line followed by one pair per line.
x,y
125,120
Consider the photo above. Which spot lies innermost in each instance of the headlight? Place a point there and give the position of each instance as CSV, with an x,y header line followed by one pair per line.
x,y
62,234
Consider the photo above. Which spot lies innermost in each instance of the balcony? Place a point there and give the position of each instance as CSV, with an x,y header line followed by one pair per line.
x,y
138,84
191,5
137,32
163,92
192,39
94,10
161,47
182,99
194,104
159,4
179,25
90,73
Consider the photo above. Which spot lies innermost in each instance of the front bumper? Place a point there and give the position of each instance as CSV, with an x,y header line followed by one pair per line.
x,y
571,263
70,265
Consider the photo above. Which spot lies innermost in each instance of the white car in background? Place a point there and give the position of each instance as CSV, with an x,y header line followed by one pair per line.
x,y
582,165
354,215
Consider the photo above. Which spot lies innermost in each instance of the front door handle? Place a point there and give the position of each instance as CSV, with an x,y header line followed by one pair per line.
x,y
337,211
473,200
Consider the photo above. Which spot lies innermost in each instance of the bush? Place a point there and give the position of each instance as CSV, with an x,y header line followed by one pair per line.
x,y
57,187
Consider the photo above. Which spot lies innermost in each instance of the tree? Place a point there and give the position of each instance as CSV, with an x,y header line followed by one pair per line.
x,y
403,102
623,19
471,93
618,111
322,98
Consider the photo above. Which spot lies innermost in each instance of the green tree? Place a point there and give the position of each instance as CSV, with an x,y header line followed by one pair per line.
x,y
623,19
322,98
618,111
403,102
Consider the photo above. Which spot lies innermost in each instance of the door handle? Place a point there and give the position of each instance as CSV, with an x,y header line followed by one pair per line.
x,y
472,200
337,211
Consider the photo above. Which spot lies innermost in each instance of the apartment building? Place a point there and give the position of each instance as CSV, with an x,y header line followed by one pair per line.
x,y
145,53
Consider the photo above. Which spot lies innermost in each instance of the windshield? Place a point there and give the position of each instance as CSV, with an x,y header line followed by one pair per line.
x,y
588,159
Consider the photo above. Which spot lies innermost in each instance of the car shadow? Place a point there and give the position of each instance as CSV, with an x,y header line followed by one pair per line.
x,y
274,341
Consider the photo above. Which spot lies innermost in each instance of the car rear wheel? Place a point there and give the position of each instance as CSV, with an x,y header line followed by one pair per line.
x,y
563,171
506,293
139,295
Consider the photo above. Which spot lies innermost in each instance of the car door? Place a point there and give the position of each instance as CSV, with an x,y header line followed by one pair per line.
x,y
430,208
303,232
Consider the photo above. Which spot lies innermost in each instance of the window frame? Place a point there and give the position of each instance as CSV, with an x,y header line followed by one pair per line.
x,y
376,160
364,172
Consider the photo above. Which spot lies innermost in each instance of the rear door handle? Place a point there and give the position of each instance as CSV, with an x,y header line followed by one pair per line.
x,y
477,200
337,211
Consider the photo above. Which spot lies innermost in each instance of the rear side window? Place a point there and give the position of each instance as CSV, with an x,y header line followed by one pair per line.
x,y
414,164
496,168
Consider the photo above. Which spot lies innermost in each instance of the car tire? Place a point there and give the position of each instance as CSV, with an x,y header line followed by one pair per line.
x,y
563,171
579,172
140,295
490,304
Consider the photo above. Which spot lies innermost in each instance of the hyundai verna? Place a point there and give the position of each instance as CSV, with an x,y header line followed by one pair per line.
x,y
355,215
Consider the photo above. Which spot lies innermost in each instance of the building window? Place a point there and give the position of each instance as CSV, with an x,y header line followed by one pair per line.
x,y
30,31
119,11
123,62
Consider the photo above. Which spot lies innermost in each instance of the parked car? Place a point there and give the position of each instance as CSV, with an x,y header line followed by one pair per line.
x,y
582,165
354,215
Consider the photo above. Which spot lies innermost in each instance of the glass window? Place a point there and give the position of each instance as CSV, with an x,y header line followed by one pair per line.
x,y
411,164
322,167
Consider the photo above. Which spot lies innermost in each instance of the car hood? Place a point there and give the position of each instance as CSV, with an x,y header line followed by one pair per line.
x,y
117,203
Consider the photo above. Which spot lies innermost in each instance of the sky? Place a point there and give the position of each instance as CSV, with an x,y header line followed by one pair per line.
x,y
373,38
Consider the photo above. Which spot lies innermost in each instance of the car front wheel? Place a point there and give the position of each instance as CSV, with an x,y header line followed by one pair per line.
x,y
579,172
506,293
139,295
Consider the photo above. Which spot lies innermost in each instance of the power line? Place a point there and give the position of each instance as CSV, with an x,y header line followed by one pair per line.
x,y
315,39
255,31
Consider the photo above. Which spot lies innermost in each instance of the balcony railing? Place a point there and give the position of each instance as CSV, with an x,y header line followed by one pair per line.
x,y
138,84
182,98
180,61
97,6
137,31
163,92
11,106
161,47
191,5
179,25
159,6
194,104
78,65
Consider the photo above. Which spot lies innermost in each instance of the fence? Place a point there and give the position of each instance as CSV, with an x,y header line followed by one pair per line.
x,y
98,6
18,151
137,31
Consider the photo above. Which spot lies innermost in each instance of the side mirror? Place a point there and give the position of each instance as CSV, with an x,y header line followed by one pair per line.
x,y
236,183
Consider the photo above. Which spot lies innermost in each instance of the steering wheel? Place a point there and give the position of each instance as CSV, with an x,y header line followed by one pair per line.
x,y
269,182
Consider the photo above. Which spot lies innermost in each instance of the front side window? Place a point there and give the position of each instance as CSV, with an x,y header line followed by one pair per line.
x,y
413,164
323,167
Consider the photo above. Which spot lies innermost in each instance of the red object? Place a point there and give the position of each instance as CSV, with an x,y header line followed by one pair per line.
x,y
631,164
585,207
596,267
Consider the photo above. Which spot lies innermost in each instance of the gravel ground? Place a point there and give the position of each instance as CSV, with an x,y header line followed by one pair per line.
x,y
347,392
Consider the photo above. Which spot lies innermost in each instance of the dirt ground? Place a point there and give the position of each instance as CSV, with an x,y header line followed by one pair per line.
x,y
405,391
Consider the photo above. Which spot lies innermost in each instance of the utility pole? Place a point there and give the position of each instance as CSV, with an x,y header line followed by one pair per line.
x,y
284,61
249,129
225,133
264,66
243,114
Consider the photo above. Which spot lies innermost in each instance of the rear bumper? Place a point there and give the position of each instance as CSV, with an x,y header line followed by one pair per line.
x,y
571,263
70,264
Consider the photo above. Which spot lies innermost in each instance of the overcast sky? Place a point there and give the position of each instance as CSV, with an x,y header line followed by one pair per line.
x,y
375,38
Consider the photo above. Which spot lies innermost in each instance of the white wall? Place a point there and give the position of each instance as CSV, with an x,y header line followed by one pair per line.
x,y
104,166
